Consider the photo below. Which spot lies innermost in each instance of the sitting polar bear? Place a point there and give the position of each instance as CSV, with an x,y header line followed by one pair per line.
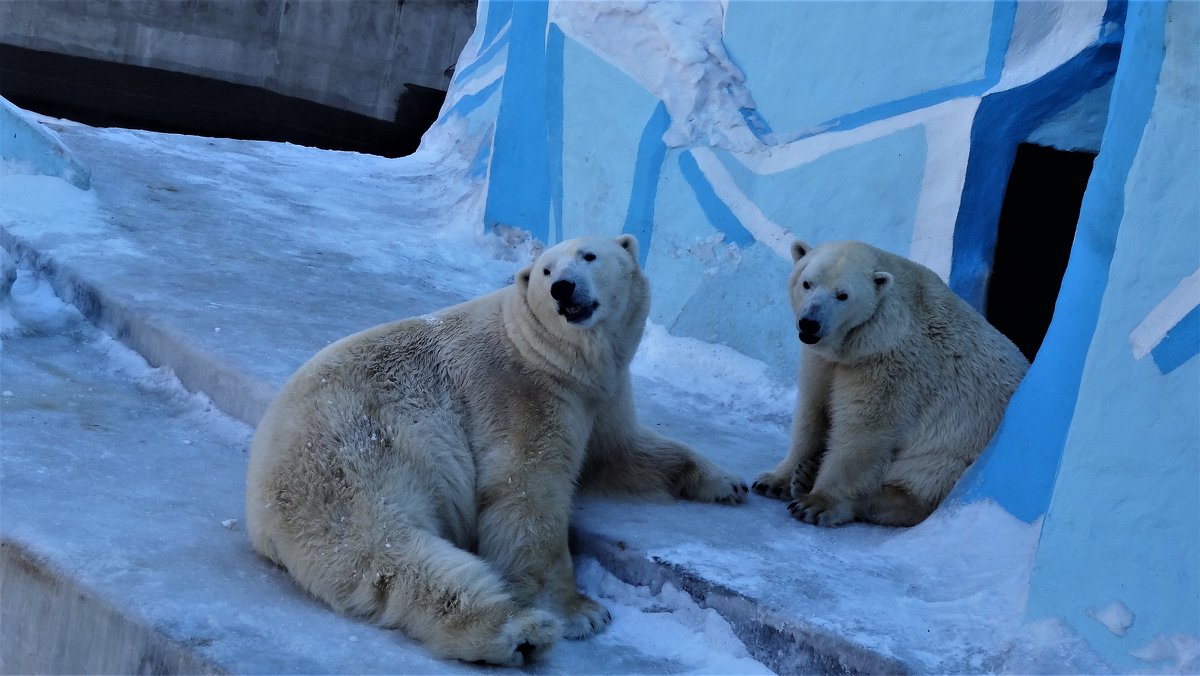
x,y
420,473
901,386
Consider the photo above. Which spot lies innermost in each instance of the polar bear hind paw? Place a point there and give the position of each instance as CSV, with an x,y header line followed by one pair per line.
x,y
719,487
585,618
772,486
821,510
524,638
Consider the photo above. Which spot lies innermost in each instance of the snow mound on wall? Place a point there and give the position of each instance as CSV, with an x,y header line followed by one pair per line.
x,y
675,51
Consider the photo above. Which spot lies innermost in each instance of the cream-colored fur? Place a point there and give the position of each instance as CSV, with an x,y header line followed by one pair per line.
x,y
420,474
902,384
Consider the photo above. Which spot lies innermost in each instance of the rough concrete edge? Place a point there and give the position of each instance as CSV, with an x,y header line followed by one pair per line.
x,y
53,624
777,641
231,390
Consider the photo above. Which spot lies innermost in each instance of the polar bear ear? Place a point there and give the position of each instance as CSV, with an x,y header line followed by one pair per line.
x,y
882,280
522,277
630,244
799,250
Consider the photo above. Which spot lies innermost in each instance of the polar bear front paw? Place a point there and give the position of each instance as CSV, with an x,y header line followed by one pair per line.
x,y
772,485
718,486
585,618
820,509
524,638
804,477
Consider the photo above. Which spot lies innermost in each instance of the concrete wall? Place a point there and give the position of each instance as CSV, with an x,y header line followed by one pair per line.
x,y
725,134
1121,541
350,54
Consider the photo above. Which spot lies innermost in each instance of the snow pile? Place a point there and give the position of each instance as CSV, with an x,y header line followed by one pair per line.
x,y
743,387
1181,651
667,626
1116,617
28,304
675,51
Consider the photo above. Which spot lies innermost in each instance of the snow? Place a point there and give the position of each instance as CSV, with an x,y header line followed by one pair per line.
x,y
1182,652
675,51
288,248
1116,617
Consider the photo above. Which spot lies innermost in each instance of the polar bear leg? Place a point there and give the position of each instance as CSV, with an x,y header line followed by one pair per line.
x,y
525,504
794,476
441,595
624,457
645,463
542,573
893,506
853,468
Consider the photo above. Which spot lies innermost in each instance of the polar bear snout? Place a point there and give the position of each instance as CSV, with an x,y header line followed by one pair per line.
x,y
574,304
562,290
810,330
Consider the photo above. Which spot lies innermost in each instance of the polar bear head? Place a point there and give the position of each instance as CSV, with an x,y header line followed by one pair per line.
x,y
587,282
835,288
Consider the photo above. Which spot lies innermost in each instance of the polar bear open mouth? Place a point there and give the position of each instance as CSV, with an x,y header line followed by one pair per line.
x,y
577,312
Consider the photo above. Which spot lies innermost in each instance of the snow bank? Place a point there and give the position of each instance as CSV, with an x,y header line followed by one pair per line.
x,y
675,51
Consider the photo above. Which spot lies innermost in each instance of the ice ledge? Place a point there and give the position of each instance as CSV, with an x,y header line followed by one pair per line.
x,y
53,625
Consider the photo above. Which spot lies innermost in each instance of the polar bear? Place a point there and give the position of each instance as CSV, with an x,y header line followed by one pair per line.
x,y
420,473
901,386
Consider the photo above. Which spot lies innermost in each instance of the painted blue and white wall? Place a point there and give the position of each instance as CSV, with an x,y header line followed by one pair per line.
x,y
716,132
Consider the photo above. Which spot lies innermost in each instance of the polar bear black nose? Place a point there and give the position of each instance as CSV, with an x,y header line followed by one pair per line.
x,y
809,326
562,290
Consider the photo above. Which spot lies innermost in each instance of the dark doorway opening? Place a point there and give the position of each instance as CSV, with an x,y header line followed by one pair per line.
x,y
1033,243
106,94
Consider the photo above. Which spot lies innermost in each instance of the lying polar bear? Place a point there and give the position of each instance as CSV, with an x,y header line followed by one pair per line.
x,y
901,386
420,473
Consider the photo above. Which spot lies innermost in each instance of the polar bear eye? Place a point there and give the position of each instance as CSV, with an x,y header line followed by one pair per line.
x,y
589,257
807,285
546,271
843,296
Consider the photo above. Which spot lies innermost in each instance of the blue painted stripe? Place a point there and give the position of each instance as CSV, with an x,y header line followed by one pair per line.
x,y
757,123
1181,344
647,172
1112,26
469,103
1020,466
554,127
1004,17
718,213
1004,14
519,190
484,58
499,13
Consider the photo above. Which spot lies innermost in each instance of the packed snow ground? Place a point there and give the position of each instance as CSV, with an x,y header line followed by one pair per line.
x,y
254,255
